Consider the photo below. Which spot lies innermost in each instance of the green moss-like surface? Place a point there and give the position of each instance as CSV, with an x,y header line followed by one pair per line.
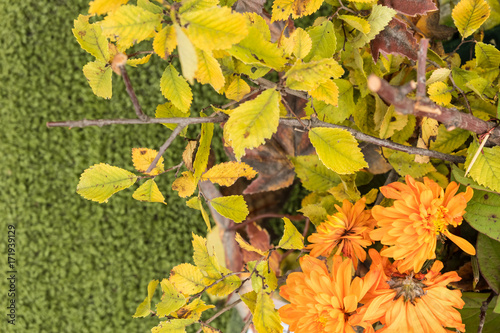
x,y
81,266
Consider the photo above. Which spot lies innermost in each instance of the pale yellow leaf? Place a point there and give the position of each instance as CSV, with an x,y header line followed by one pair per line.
x,y
187,278
187,54
142,158
98,76
91,38
194,5
165,41
201,159
301,43
176,89
292,239
237,88
440,74
226,174
356,22
209,70
149,192
101,7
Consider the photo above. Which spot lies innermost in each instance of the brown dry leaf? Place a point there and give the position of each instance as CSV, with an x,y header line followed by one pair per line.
x,y
410,7
259,238
188,155
395,39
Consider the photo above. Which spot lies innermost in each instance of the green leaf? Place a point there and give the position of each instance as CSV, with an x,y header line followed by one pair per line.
x,y
214,28
149,6
168,110
315,212
462,77
307,76
255,49
487,56
447,141
486,168
327,92
265,279
249,299
469,15
194,5
233,207
334,114
149,192
356,22
392,122
292,239
187,54
472,310
315,176
187,278
251,123
483,213
101,181
98,75
201,159
209,70
323,41
176,89
144,309
131,24
440,74
378,20
171,300
488,256
337,149
300,43
265,317
91,38
459,176
405,164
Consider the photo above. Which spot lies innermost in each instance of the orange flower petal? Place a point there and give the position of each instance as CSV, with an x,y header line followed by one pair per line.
x,y
461,243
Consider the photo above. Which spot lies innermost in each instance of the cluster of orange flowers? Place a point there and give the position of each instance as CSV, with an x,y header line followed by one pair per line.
x,y
395,295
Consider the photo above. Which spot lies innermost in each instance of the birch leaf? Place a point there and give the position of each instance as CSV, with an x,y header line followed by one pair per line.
x,y
101,7
171,300
237,89
209,70
185,185
144,309
246,246
201,159
142,158
292,239
187,54
233,207
91,38
165,42
469,15
266,318
149,192
440,93
226,174
187,278
98,75
176,89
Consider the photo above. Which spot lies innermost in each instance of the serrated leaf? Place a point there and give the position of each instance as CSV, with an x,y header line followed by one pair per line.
x,y
265,280
404,164
440,74
226,174
471,313
193,310
307,76
187,54
98,76
149,192
440,93
201,159
334,114
237,88
138,61
486,168
255,49
215,28
185,185
265,317
101,181
144,309
469,15
447,141
395,39
459,176
315,176
172,326
91,38
315,212
337,149
171,300
194,5
187,278
168,110
176,89
251,123
249,299
323,40
248,247
478,86
462,77
483,213
357,23
165,41
292,239
392,122
149,6
301,43
233,207
282,10
487,56
378,20
488,257
101,7
209,70
327,92
142,158
201,257
130,24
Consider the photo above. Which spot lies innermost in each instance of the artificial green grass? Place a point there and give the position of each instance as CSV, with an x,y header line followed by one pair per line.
x,y
81,266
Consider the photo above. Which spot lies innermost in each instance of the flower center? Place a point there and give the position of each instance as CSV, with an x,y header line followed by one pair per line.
x,y
437,219
322,320
408,287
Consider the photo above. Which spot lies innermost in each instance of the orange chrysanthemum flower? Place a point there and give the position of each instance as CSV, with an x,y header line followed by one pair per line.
x,y
410,302
347,231
320,301
421,213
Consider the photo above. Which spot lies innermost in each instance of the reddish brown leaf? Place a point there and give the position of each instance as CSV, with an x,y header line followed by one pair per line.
x,y
395,38
259,238
410,7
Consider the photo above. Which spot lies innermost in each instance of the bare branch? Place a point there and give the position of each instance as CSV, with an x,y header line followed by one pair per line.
x,y
163,148
422,56
131,93
484,308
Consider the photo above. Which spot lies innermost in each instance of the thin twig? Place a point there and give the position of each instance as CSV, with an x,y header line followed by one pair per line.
x,y
248,322
165,146
484,308
421,67
214,283
461,93
224,309
131,93
287,106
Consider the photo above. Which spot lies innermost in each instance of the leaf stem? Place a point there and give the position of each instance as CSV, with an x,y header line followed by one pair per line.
x,y
130,90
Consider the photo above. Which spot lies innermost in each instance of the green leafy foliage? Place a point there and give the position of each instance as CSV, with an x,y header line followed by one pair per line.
x,y
488,257
472,309
486,168
483,213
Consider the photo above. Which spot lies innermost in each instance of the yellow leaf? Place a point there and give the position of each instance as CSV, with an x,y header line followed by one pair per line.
x,y
187,278
171,300
209,70
91,38
195,203
249,299
131,24
101,181
307,76
265,317
185,185
207,329
337,149
149,192
299,43
193,310
172,326
176,89
440,93
201,159
357,23
214,28
226,174
265,279
138,61
251,123
469,15
323,41
292,239
233,207
282,10
315,212
440,74
142,158
237,89
101,7
245,246
150,6
194,5
392,122
98,75
257,21
168,110
144,309
487,55
378,20
327,92
165,41
187,54
404,164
